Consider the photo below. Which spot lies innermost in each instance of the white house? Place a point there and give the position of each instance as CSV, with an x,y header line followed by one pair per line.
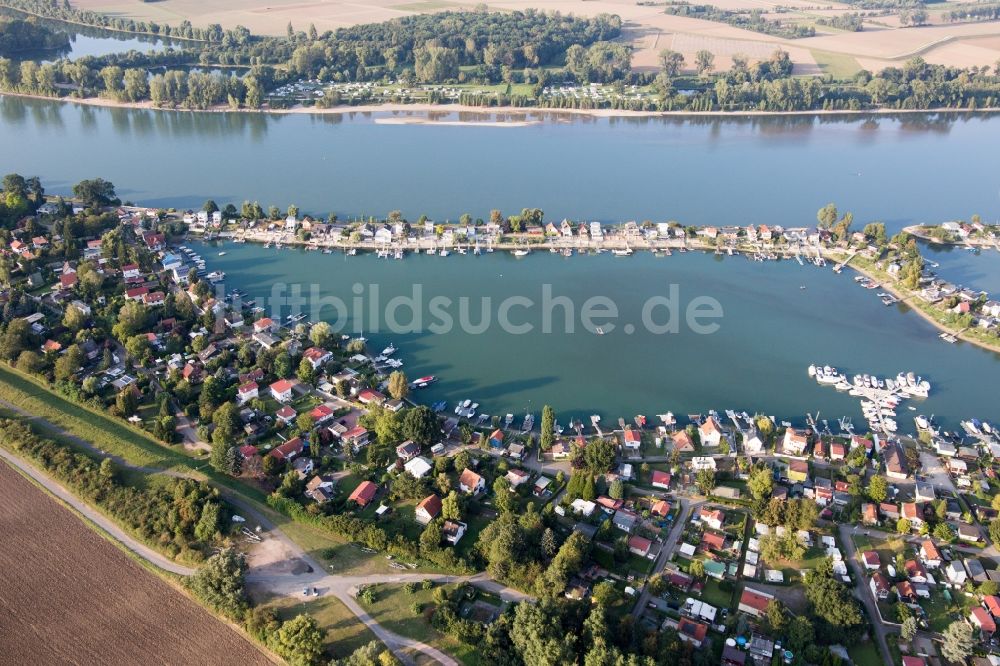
x,y
247,392
470,482
795,442
703,462
714,518
281,390
418,467
956,573
710,432
583,507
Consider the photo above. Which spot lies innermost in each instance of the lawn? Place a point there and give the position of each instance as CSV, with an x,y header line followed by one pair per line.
x,y
941,612
715,595
344,632
394,610
865,654
839,65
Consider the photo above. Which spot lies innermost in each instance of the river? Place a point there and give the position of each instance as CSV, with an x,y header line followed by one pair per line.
x,y
901,170
774,170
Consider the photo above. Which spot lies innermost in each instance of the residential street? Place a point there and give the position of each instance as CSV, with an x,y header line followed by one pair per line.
x,y
687,507
862,592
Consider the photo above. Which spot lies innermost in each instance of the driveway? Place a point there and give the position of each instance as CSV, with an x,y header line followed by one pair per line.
x,y
862,592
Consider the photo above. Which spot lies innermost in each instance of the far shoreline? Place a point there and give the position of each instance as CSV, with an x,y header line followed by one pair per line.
x,y
518,115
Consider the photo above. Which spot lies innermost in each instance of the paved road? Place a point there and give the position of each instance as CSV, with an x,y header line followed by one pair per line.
x,y
863,593
687,506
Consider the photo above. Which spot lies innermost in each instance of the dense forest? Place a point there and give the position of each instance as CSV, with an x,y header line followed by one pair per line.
x,y
747,19
17,36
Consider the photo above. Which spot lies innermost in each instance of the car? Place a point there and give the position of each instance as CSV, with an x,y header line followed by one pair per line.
x,y
315,592
305,591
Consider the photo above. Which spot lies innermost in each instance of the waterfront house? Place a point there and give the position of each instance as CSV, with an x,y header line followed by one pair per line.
x,y
471,483
264,325
364,493
754,602
660,480
247,392
895,463
418,467
753,444
515,451
714,518
710,432
566,229
281,390
879,585
794,442
632,439
428,509
930,554
496,439
370,396
982,620
266,340
683,442
837,451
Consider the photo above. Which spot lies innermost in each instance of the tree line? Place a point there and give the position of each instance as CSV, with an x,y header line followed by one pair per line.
x,y
17,36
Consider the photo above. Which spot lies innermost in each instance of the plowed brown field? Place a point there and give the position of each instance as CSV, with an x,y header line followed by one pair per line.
x,y
67,596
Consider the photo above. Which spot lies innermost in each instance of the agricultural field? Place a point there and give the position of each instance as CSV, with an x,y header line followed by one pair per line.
x,y
70,596
884,41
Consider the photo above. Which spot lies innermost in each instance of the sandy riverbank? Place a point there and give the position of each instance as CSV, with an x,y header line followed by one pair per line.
x,y
509,115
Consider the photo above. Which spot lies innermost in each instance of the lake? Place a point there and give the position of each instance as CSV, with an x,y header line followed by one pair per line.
x,y
771,330
914,168
88,41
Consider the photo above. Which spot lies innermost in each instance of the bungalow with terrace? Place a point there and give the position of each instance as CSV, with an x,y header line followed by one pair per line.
x,y
983,621
321,414
288,450
317,357
660,480
418,467
625,520
754,602
871,560
357,437
471,483
660,508
798,471
370,396
407,450
714,518
285,415
320,488
713,541
583,507
640,546
703,462
692,632
710,432
879,585
453,531
247,392
364,493
956,573
281,390
930,554
794,442
428,509
915,571
914,513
